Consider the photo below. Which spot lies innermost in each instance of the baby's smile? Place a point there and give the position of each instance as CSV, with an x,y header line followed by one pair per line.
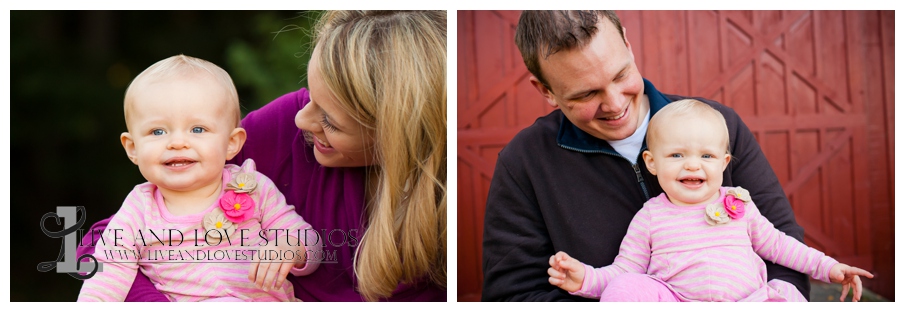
x,y
179,162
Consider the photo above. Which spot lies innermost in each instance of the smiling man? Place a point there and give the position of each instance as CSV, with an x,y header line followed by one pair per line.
x,y
572,181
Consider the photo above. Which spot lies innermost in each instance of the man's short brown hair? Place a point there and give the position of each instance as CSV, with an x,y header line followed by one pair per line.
x,y
543,33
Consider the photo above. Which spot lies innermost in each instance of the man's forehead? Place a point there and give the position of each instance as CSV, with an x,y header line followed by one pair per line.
x,y
578,71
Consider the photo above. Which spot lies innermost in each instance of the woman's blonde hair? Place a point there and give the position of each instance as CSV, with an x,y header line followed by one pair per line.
x,y
387,69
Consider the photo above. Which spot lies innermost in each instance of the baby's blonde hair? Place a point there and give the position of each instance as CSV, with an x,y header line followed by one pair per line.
x,y
182,65
387,70
684,108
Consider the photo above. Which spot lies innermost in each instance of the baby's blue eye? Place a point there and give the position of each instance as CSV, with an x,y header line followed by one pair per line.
x,y
197,130
675,155
707,156
158,132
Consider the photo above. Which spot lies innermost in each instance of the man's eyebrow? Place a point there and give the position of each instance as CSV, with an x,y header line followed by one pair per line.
x,y
578,94
575,94
623,70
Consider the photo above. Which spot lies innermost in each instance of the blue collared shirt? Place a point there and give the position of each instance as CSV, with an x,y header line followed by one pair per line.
x,y
572,138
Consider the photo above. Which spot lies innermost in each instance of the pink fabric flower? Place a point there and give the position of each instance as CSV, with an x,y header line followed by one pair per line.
x,y
735,207
237,207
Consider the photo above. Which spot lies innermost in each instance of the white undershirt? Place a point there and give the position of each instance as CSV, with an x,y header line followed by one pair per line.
x,y
630,147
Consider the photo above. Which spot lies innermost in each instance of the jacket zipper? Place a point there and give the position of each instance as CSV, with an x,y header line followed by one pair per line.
x,y
634,166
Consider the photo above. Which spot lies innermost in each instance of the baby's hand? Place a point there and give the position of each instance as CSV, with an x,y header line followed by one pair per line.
x,y
849,277
566,272
271,273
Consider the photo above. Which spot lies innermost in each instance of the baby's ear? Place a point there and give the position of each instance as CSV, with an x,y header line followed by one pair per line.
x,y
649,162
236,141
129,145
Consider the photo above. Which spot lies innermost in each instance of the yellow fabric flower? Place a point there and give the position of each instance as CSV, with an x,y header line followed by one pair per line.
x,y
740,193
715,214
242,183
217,226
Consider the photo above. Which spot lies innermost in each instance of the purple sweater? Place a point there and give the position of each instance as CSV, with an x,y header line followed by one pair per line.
x,y
330,199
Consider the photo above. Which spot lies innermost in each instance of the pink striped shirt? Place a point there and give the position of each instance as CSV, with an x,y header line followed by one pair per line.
x,y
178,259
702,262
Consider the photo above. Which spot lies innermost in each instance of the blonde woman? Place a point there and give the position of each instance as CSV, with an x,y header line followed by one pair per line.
x,y
361,154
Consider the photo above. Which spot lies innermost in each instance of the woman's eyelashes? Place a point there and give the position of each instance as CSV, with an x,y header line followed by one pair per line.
x,y
326,124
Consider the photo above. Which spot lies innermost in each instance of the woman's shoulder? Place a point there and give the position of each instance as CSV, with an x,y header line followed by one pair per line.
x,y
279,112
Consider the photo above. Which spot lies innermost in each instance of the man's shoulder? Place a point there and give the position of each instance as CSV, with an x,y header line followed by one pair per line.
x,y
541,134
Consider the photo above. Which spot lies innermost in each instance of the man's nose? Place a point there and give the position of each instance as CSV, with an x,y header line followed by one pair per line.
x,y
612,101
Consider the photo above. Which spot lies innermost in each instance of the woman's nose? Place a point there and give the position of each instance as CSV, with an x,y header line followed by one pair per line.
x,y
306,118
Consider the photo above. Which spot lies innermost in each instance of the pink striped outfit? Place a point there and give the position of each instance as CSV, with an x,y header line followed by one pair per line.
x,y
670,253
195,270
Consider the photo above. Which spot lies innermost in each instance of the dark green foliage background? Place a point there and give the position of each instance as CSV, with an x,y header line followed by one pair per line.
x,y
69,72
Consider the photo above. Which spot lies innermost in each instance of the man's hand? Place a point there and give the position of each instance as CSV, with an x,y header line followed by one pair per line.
x,y
566,272
268,273
849,277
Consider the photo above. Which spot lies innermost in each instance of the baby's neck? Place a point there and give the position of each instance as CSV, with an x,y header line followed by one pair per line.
x,y
709,200
180,203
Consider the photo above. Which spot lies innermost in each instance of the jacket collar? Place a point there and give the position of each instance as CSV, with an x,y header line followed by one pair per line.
x,y
572,138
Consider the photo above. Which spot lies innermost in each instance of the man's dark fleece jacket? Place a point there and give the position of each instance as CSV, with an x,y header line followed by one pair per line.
x,y
557,188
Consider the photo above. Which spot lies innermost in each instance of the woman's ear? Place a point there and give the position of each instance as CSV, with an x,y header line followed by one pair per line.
x,y
129,145
236,141
649,162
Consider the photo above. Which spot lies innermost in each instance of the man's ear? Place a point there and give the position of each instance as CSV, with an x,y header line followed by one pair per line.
x,y
236,141
129,145
649,162
543,90
628,45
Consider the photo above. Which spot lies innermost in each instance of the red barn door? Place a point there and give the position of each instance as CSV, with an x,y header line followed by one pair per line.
x,y
815,87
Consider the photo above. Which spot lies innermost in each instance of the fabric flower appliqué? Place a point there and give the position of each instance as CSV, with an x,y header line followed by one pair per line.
x,y
217,226
715,214
237,207
735,207
739,193
243,183
732,207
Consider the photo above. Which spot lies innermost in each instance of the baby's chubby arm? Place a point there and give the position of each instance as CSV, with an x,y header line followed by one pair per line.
x,y
267,272
583,280
566,272
280,216
849,277
119,253
774,245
